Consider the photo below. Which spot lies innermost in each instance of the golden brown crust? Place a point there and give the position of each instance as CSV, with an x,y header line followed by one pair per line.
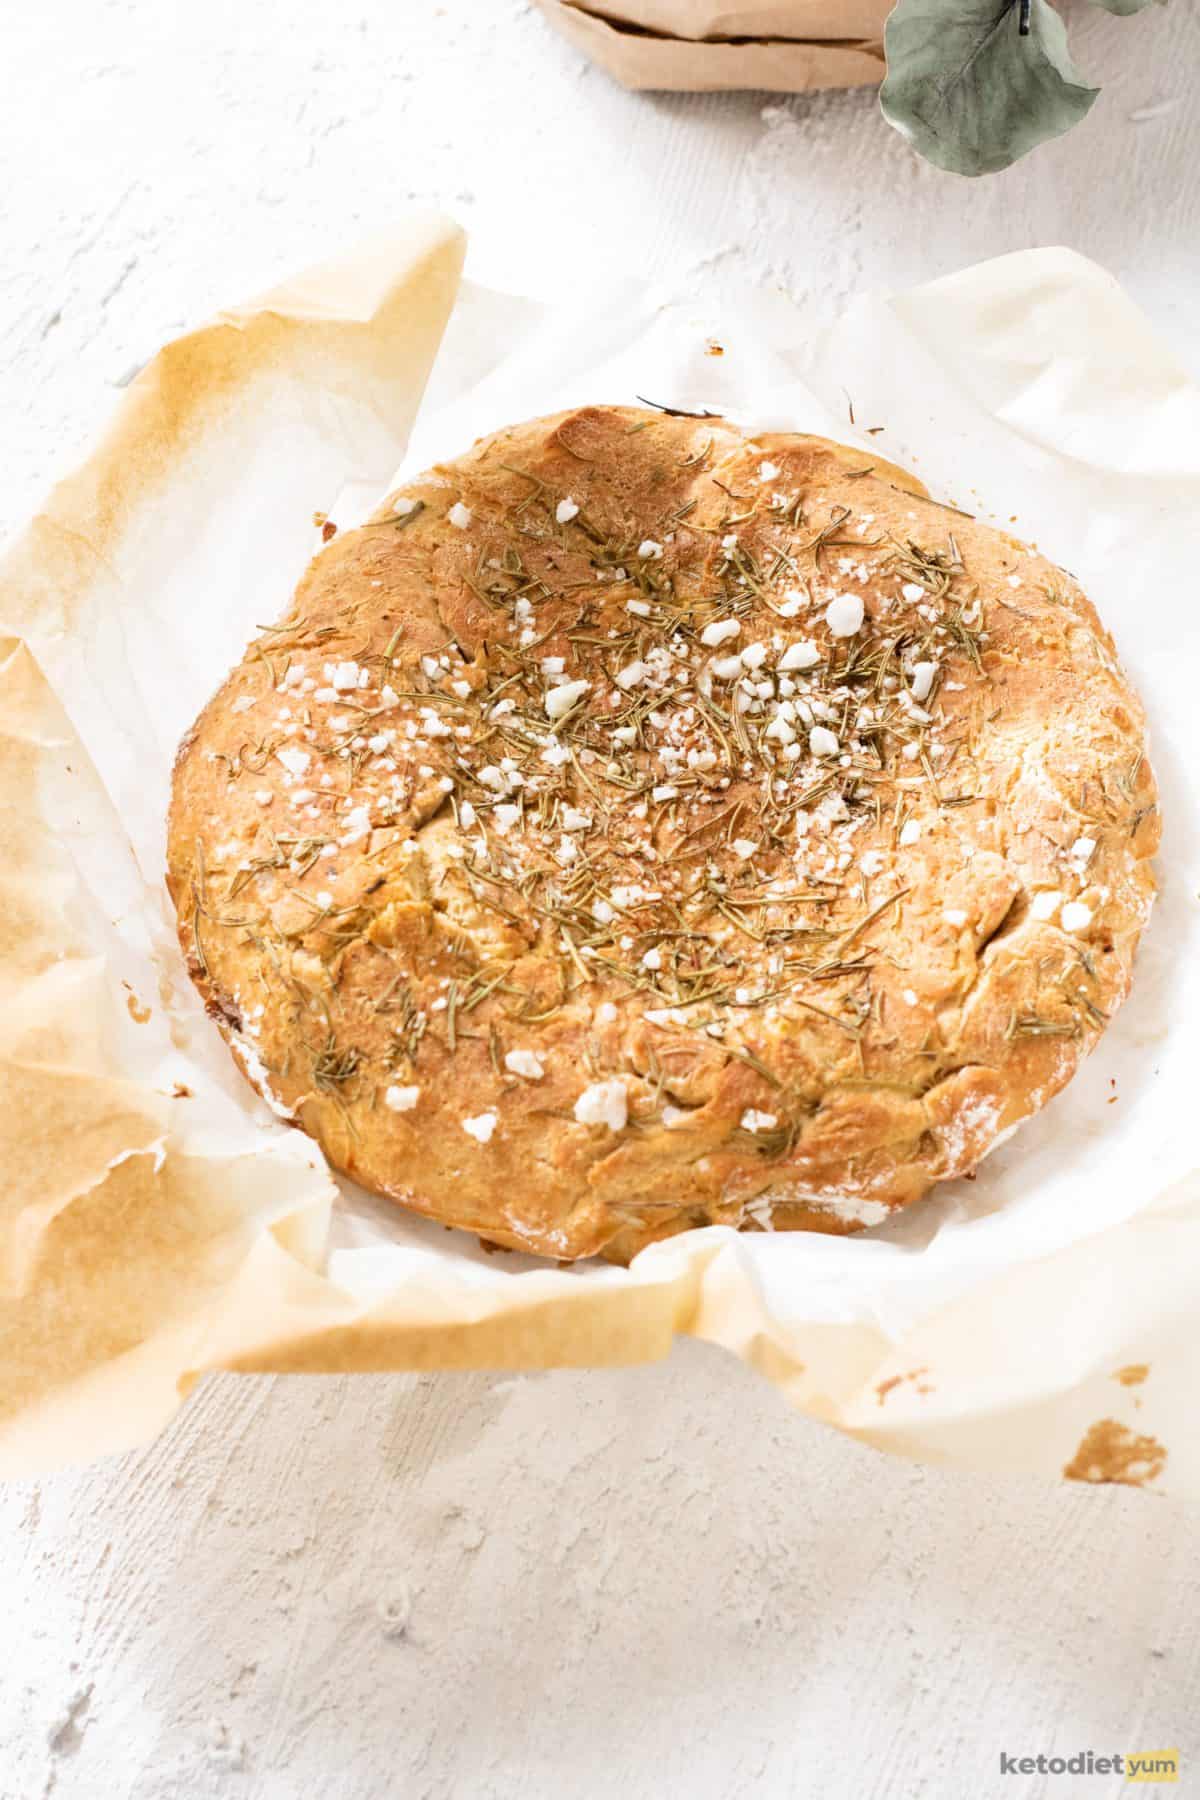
x,y
775,922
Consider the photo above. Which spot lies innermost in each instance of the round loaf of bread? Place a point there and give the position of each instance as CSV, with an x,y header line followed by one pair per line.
x,y
641,824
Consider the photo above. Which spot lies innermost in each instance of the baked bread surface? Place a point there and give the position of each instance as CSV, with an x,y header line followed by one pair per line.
x,y
641,824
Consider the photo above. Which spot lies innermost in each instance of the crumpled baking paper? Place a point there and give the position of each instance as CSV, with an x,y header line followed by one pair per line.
x,y
158,1222
784,46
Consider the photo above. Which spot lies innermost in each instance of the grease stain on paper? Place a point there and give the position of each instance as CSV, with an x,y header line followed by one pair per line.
x,y
884,1388
1110,1452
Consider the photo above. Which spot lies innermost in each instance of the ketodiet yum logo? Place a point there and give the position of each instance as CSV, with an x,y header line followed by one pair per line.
x,y
1134,1765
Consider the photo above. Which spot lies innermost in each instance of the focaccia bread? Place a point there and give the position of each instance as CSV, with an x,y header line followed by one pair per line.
x,y
641,824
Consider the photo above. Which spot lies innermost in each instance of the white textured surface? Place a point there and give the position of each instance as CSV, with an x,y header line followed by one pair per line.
x,y
649,1583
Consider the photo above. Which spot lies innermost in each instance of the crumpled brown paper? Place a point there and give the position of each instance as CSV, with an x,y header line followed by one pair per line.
x,y
157,1222
782,46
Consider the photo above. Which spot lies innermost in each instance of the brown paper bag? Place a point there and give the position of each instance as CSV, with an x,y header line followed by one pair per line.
x,y
784,46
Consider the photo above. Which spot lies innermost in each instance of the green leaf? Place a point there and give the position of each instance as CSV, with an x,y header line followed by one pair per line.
x,y
969,92
1125,8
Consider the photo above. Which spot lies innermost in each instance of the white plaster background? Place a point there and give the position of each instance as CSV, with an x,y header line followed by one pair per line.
x,y
651,1583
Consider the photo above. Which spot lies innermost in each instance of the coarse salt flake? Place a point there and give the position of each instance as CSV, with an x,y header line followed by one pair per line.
x,y
752,1120
1075,916
822,741
401,1099
524,1062
922,679
566,510
480,1127
560,700
844,615
719,632
603,1103
802,655
460,516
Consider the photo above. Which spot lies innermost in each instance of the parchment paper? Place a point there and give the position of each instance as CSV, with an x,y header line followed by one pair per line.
x,y
158,1222
784,46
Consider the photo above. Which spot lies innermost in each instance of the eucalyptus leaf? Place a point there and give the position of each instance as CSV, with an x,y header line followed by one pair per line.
x,y
1126,8
969,91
